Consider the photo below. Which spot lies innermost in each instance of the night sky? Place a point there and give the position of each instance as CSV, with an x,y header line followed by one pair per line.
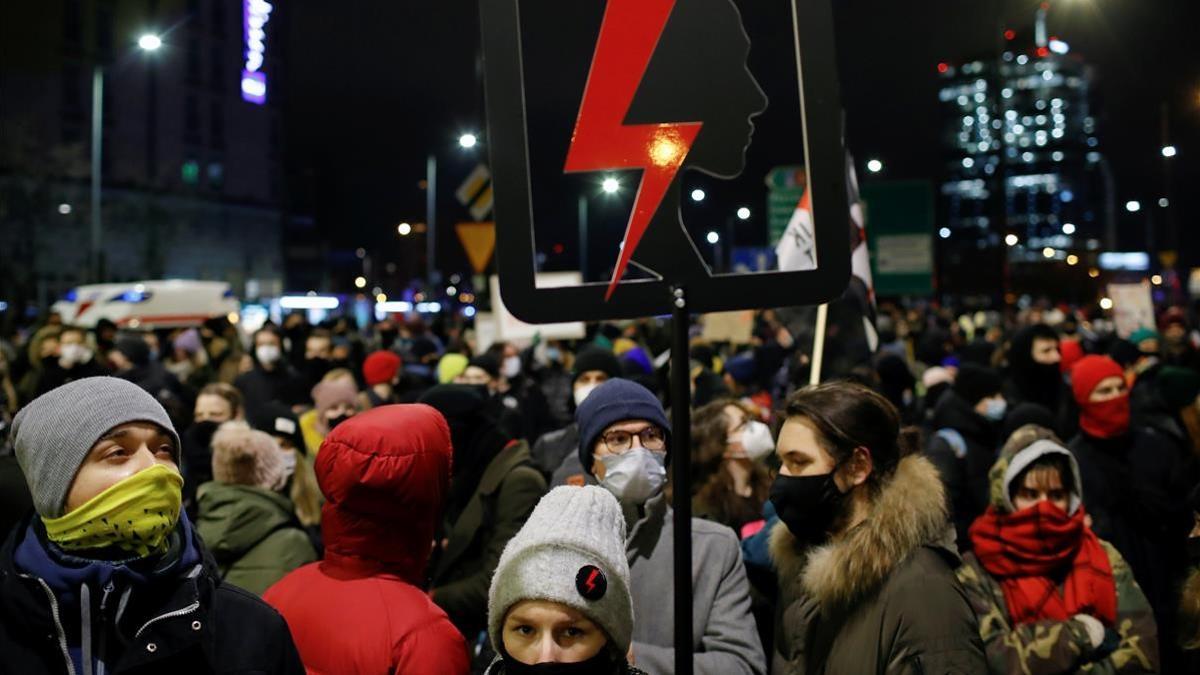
x,y
373,87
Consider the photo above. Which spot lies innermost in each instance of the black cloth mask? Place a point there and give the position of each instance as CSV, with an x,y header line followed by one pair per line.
x,y
335,421
808,505
600,664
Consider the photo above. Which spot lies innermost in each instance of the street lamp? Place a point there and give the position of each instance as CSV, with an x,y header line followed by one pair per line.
x,y
1011,240
1068,228
148,42
698,195
1133,206
610,185
874,166
404,229
360,282
743,213
1169,151
467,141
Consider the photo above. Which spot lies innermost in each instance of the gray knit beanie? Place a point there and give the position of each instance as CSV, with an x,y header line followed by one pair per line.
x,y
54,433
570,551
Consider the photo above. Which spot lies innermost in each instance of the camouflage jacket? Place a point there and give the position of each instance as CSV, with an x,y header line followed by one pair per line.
x,y
1052,647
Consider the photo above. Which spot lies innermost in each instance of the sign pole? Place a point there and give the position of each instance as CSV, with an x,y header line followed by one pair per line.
x,y
818,358
681,460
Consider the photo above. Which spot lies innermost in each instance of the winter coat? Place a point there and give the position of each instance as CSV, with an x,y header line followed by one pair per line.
x,y
260,386
508,490
963,466
881,597
361,609
1053,647
724,639
180,619
551,448
253,534
1131,485
54,375
1189,621
15,500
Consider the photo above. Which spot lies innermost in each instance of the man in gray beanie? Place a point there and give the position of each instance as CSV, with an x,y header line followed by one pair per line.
x,y
109,565
625,444
566,566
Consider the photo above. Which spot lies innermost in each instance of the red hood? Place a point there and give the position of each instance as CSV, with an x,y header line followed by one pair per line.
x,y
385,474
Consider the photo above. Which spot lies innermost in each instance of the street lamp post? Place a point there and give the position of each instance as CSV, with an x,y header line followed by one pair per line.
x,y
147,43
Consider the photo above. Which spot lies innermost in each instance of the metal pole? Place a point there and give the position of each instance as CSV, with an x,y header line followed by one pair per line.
x,y
583,236
431,219
681,460
818,359
97,132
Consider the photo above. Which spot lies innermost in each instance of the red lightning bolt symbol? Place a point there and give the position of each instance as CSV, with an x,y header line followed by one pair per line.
x,y
629,34
591,580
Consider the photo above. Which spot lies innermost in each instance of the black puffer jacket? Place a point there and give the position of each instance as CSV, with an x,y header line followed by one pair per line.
x,y
963,467
189,624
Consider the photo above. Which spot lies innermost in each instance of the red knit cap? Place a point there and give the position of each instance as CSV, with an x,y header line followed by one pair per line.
x,y
1089,372
380,367
1071,352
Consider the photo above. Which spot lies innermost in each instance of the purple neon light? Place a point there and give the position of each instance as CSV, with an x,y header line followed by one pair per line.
x,y
255,14
254,87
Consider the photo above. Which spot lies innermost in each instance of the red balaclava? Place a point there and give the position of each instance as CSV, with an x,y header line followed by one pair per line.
x,y
1071,352
1107,419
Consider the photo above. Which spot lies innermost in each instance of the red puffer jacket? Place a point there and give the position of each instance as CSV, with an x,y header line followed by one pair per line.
x,y
385,474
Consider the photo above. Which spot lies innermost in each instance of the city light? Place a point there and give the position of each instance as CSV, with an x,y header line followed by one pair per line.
x,y
1106,303
874,166
698,195
467,141
743,213
713,237
360,282
610,185
1011,240
392,307
1093,273
1047,252
451,290
1156,280
1069,228
1072,260
64,209
944,233
1169,151
404,229
1164,202
149,42
308,302
1133,206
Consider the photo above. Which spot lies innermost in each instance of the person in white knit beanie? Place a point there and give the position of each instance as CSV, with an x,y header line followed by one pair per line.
x,y
559,602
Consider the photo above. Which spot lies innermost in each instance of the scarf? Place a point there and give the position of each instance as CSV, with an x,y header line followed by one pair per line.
x,y
1050,566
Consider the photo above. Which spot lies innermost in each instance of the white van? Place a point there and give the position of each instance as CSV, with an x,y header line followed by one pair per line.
x,y
148,305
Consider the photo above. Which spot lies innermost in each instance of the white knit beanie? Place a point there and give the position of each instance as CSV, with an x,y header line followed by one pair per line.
x,y
243,456
570,551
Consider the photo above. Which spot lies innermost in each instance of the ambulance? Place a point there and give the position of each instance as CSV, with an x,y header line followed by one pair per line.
x,y
149,305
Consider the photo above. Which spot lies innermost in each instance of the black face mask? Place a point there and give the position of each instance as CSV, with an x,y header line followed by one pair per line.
x,y
808,505
600,664
1193,550
335,421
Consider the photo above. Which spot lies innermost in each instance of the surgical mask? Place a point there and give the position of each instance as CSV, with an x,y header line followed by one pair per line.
x,y
808,505
581,393
72,354
289,468
635,476
995,409
512,366
756,440
268,355
554,355
136,515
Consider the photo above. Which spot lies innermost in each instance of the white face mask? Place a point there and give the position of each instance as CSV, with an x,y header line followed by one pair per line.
x,y
512,366
289,468
72,354
996,407
581,393
268,355
756,440
635,476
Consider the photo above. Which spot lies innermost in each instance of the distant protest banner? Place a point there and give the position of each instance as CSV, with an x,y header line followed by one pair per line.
x,y
1133,308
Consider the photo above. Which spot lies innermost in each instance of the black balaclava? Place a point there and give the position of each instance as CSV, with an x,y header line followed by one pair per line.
x,y
475,433
1039,383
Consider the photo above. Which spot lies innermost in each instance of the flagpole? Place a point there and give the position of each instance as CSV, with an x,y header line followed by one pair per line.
x,y
818,357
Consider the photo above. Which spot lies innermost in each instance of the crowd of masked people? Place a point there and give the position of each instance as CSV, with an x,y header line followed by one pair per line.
x,y
979,493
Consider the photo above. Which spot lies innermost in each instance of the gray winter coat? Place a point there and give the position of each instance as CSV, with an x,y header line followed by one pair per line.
x,y
725,640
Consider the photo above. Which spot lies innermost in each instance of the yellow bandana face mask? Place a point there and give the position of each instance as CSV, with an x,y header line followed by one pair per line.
x,y
137,515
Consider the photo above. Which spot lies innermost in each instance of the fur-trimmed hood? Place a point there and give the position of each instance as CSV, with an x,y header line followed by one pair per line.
x,y
909,512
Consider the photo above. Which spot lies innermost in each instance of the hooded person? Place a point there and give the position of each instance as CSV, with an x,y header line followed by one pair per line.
x,y
492,494
594,365
1033,373
109,575
560,594
1131,478
250,527
335,401
963,445
625,441
361,608
450,367
1051,596
866,568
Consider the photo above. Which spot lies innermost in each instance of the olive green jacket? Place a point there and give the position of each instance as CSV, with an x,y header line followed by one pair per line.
x,y
507,493
880,598
252,533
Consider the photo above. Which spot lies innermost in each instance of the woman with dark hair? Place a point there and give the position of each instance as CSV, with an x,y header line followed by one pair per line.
x,y
730,484
866,571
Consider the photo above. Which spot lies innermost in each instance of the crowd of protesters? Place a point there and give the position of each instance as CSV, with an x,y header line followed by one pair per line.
x,y
964,493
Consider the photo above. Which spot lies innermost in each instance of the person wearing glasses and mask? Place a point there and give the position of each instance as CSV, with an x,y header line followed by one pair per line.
x,y
625,442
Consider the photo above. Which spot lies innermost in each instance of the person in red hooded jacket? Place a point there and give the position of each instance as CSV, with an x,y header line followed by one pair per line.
x,y
385,474
1131,477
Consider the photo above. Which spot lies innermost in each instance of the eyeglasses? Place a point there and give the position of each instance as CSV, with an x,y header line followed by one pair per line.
x,y
619,441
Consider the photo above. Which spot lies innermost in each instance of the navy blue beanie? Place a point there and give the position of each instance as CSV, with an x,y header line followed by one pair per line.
x,y
615,401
